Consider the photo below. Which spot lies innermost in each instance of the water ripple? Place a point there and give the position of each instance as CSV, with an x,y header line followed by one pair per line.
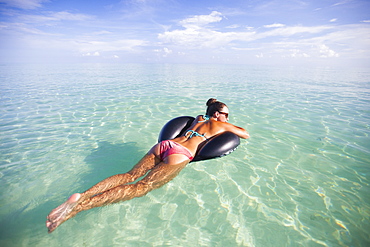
x,y
302,179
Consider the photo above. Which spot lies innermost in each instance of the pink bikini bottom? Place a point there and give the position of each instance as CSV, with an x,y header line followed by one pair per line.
x,y
169,147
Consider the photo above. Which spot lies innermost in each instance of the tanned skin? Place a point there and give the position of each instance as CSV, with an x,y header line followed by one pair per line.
x,y
158,172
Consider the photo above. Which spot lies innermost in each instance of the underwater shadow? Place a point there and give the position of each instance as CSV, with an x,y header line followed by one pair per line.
x,y
104,161
109,159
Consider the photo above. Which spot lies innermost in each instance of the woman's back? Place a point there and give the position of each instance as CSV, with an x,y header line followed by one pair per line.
x,y
203,129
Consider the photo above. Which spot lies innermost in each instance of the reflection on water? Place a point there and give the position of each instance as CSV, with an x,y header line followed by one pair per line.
x,y
300,180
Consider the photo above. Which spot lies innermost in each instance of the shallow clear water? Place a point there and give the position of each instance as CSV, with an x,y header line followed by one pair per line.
x,y
302,179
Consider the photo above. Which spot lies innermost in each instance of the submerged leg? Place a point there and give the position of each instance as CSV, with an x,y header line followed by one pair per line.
x,y
60,214
57,216
139,170
158,176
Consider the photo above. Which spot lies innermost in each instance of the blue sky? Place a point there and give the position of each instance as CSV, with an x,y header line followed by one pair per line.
x,y
318,32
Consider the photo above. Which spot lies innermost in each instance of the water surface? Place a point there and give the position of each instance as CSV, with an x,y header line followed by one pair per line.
x,y
302,179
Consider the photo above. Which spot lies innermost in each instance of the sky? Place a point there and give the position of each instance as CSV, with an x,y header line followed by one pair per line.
x,y
306,32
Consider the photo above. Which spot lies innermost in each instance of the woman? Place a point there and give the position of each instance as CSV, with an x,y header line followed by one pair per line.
x,y
164,161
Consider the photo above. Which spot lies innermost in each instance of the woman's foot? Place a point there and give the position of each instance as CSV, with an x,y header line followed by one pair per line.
x,y
60,214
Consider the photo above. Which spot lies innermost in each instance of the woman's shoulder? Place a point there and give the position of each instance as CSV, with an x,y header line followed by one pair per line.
x,y
199,118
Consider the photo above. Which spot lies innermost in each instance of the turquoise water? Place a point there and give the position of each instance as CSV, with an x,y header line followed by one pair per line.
x,y
302,179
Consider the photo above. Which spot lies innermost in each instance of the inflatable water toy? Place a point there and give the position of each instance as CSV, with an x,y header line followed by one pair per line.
x,y
215,147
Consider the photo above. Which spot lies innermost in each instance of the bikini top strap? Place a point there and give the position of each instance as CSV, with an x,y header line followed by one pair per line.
x,y
205,117
194,133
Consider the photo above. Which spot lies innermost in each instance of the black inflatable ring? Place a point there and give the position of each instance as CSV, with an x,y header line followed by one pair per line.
x,y
217,146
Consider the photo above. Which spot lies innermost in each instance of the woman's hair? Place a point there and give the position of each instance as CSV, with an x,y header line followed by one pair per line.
x,y
213,105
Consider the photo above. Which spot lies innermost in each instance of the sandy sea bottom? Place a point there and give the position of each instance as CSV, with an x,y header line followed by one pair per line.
x,y
302,179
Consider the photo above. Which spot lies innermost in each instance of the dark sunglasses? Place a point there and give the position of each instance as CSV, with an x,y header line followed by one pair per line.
x,y
224,113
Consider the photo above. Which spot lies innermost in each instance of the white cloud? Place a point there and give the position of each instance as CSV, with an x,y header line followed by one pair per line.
x,y
289,31
71,32
164,52
259,55
24,4
196,35
200,21
21,28
280,41
246,49
94,54
103,32
298,53
54,16
233,26
64,15
325,52
349,40
109,46
167,51
204,38
274,25
82,47
342,2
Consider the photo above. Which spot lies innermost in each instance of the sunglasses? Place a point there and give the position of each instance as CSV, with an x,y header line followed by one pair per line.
x,y
224,113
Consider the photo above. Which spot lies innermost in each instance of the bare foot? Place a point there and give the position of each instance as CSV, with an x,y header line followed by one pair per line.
x,y
60,214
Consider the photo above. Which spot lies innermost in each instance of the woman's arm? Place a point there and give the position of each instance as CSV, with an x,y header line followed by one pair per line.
x,y
239,131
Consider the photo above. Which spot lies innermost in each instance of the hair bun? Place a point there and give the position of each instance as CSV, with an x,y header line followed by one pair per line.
x,y
211,101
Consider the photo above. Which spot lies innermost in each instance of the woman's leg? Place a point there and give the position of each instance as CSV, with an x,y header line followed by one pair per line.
x,y
140,169
158,176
